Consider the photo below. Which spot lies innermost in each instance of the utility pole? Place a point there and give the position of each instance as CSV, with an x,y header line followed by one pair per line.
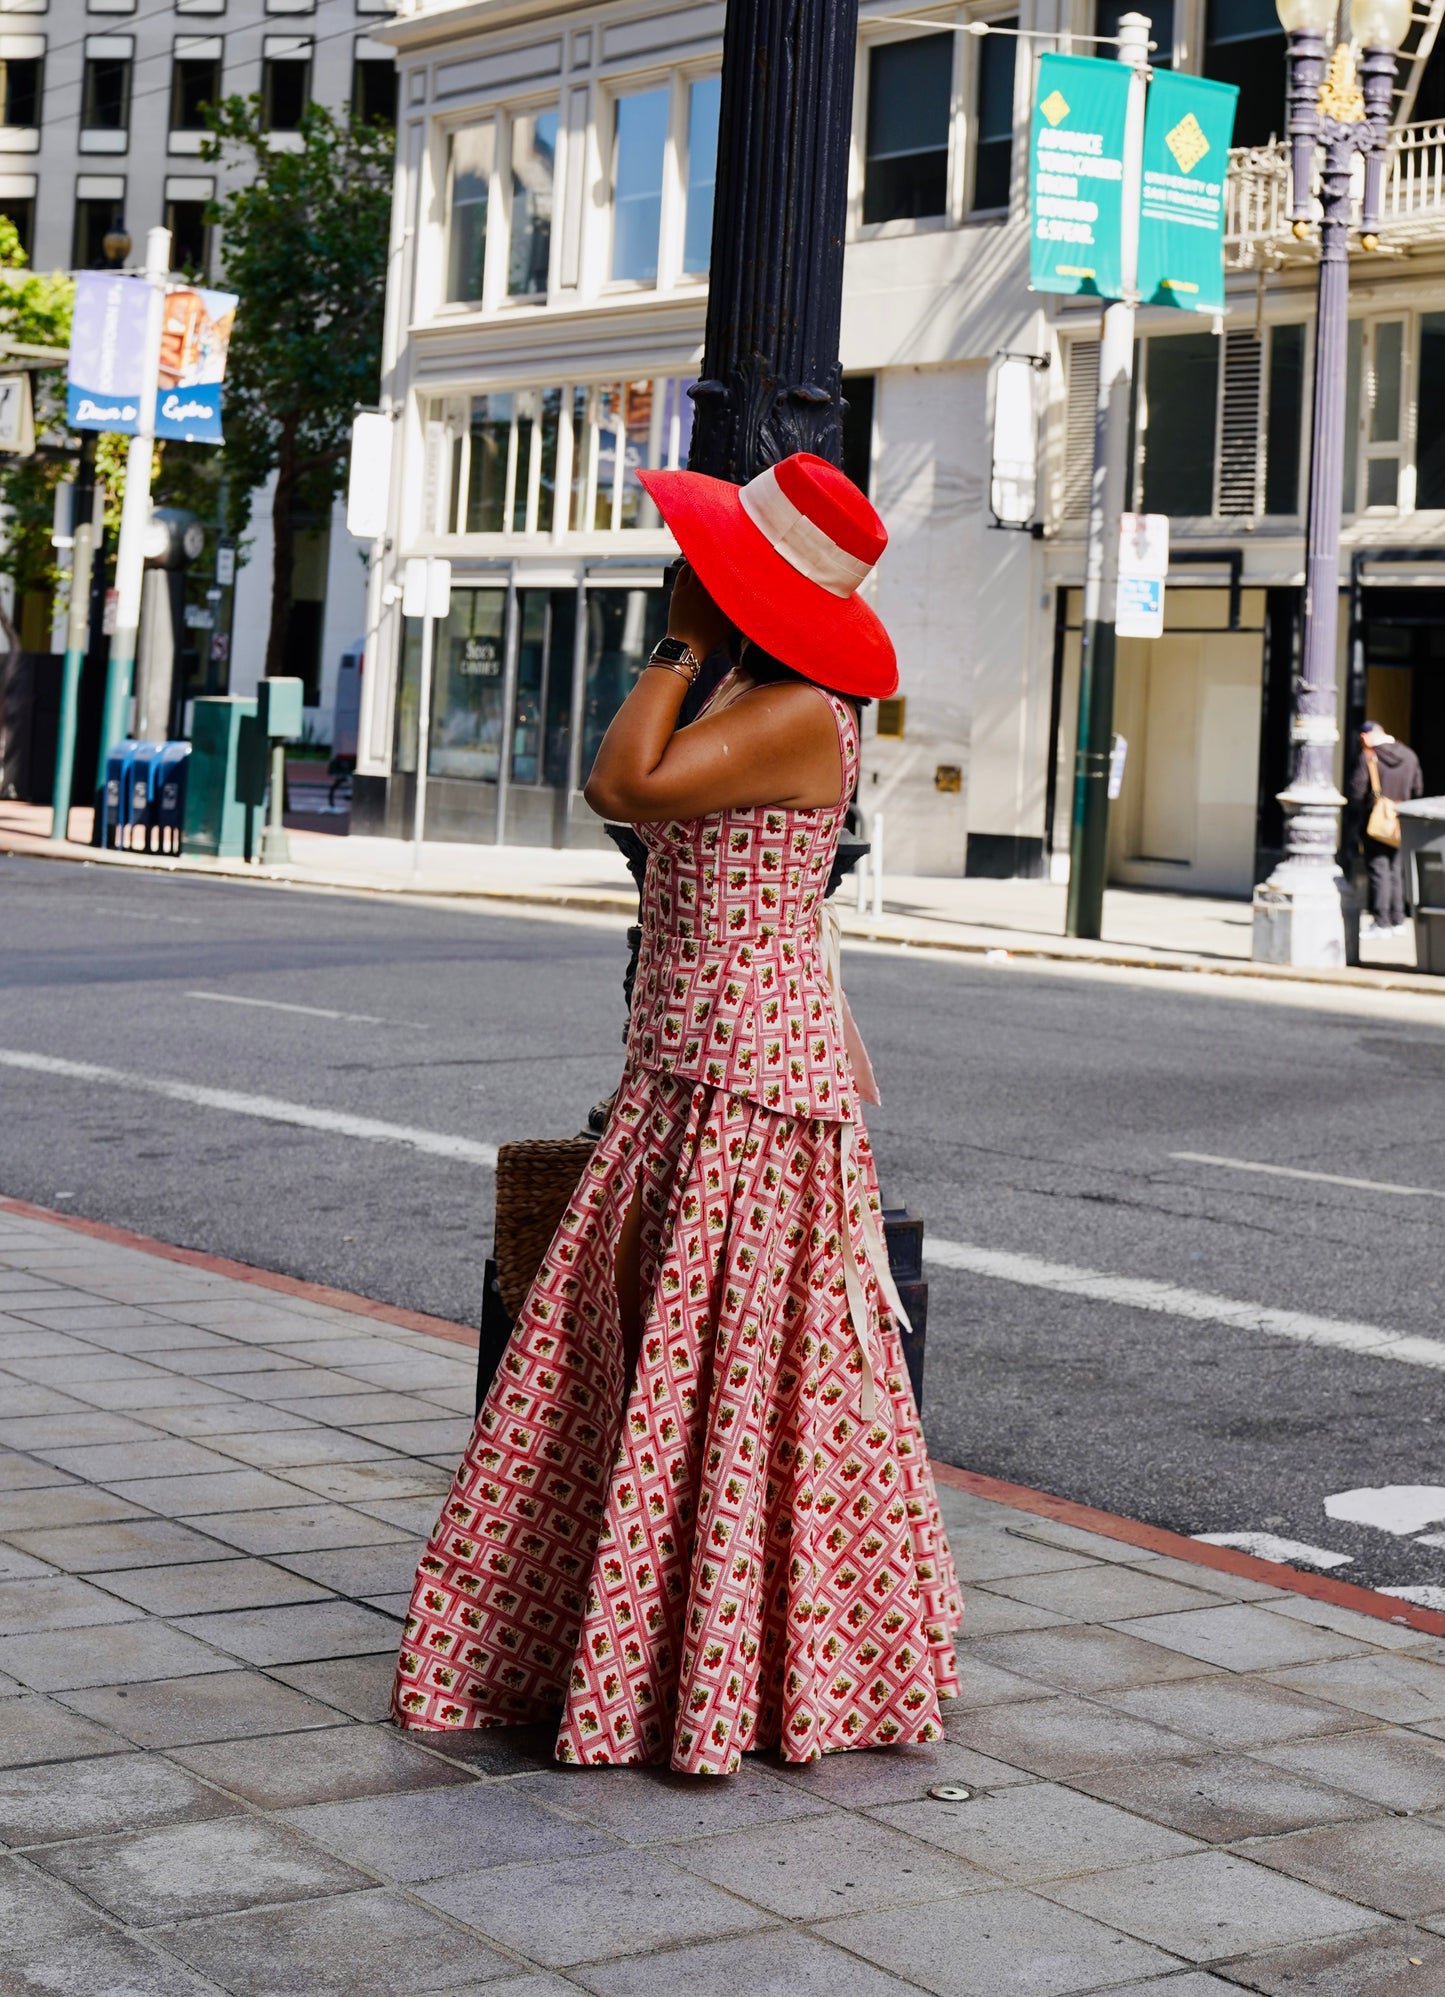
x,y
135,513
89,535
1089,840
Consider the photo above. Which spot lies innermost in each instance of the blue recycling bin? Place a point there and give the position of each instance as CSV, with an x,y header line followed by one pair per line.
x,y
116,798
170,798
145,766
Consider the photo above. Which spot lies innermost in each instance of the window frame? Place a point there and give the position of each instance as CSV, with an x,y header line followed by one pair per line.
x,y
37,122
642,83
506,117
873,35
182,51
87,98
972,116
444,171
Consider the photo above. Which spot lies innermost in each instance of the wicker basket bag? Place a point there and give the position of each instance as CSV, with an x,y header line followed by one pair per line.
x,y
535,1183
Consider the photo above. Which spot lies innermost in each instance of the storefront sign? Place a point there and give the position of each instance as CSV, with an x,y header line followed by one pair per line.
x,y
194,340
1187,129
1076,176
1143,565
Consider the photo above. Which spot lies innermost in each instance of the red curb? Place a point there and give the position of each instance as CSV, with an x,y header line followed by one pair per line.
x,y
243,1272
1225,1559
1021,1497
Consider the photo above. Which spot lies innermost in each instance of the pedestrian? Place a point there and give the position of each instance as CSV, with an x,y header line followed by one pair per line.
x,y
1386,774
696,1516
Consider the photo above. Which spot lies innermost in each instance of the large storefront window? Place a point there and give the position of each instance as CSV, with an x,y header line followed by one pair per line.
x,y
467,689
542,722
502,455
623,625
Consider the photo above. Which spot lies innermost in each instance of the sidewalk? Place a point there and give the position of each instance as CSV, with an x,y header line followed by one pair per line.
x,y
1162,1775
1017,918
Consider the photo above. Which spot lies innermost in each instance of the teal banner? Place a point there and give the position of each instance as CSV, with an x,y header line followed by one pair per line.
x,y
1187,130
1076,176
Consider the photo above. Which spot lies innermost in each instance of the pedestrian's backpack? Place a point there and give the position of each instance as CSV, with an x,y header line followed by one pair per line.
x,y
1383,824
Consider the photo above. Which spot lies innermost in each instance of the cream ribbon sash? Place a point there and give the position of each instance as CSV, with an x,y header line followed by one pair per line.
x,y
875,1248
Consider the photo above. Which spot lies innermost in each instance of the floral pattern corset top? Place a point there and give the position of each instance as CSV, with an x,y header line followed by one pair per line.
x,y
732,987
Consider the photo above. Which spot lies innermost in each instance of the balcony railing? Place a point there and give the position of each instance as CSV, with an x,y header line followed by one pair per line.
x,y
1257,228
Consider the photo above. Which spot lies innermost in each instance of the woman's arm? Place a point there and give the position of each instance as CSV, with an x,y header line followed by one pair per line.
x,y
776,744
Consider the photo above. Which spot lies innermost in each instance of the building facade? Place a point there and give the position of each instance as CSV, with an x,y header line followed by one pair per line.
x,y
101,126
545,318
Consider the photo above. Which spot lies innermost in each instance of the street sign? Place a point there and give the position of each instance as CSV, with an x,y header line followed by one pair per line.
x,y
1076,176
369,488
1187,130
17,420
1014,475
1143,565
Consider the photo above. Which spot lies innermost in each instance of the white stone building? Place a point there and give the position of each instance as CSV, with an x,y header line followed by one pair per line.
x,y
546,314
100,122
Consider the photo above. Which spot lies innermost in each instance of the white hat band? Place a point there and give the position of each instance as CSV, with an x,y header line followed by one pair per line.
x,y
799,540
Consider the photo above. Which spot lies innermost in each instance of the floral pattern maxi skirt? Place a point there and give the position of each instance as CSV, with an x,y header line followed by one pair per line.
x,y
739,1559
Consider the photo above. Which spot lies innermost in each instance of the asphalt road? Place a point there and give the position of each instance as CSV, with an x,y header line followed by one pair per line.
x,y
1026,1112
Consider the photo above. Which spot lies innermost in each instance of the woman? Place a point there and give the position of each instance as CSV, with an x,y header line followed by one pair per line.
x,y
697,1514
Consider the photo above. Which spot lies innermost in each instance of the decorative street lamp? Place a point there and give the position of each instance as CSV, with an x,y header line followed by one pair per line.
x,y
1305,913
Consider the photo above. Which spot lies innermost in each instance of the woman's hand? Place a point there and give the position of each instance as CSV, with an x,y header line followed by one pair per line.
x,y
693,617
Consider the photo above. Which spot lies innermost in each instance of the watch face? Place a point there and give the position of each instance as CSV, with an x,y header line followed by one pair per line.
x,y
670,648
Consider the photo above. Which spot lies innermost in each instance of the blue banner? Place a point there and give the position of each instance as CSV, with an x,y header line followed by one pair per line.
x,y
107,348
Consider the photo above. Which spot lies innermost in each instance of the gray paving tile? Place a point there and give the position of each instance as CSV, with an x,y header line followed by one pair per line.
x,y
304,1527
591,1908
364,1570
295,1385
289,1448
135,1542
1393,1961
429,1834
1400,1770
986,1614
1396,1864
1243,1637
188,1870
335,1764
208,1585
444,1435
1037,1832
79,1799
1082,1657
1228,1711
53,1945
1211,1906
56,1662
864,1778
983,1684
19,1340
1074,1539
413,1372
415,1515
489,1751
1223,1797
362,1483
649,1805
1193,1983
763,1965
161,1456
36,1729
1393,1687
27,1473
199,1496
154,1338
988,1553
1000,1944
165,1390
350,1403
66,1369
224,1417
1373,1630
18,1566
369,1944
19,1398
71,1505
172,1712
1212,1580
1061,1737
83,1318
295,1635
44,1435
57,1602
346,1348
360,1687
220,1358
825,1866
1100,1593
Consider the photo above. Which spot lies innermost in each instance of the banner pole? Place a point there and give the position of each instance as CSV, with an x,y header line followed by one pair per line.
x,y
1089,840
134,518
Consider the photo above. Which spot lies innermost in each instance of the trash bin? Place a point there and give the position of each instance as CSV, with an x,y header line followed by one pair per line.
x,y
1422,846
115,799
145,762
170,802
225,779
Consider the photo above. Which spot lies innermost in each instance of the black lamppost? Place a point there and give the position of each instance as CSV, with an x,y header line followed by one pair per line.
x,y
1305,913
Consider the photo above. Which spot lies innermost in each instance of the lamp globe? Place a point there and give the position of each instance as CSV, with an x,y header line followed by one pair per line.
x,y
1380,24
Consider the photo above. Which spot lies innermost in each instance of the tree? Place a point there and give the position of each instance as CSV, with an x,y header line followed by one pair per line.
x,y
304,240
34,311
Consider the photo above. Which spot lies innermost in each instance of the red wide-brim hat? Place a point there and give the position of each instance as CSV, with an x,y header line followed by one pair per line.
x,y
783,557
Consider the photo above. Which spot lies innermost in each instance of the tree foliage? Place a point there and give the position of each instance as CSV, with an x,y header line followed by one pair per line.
x,y
34,311
304,239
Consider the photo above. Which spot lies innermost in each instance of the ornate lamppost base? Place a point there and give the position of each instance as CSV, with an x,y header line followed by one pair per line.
x,y
1306,915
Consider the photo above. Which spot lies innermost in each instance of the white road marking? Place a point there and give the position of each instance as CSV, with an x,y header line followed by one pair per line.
x,y
1423,1598
1268,1546
1322,1178
270,1109
312,1011
1397,1508
1149,1294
